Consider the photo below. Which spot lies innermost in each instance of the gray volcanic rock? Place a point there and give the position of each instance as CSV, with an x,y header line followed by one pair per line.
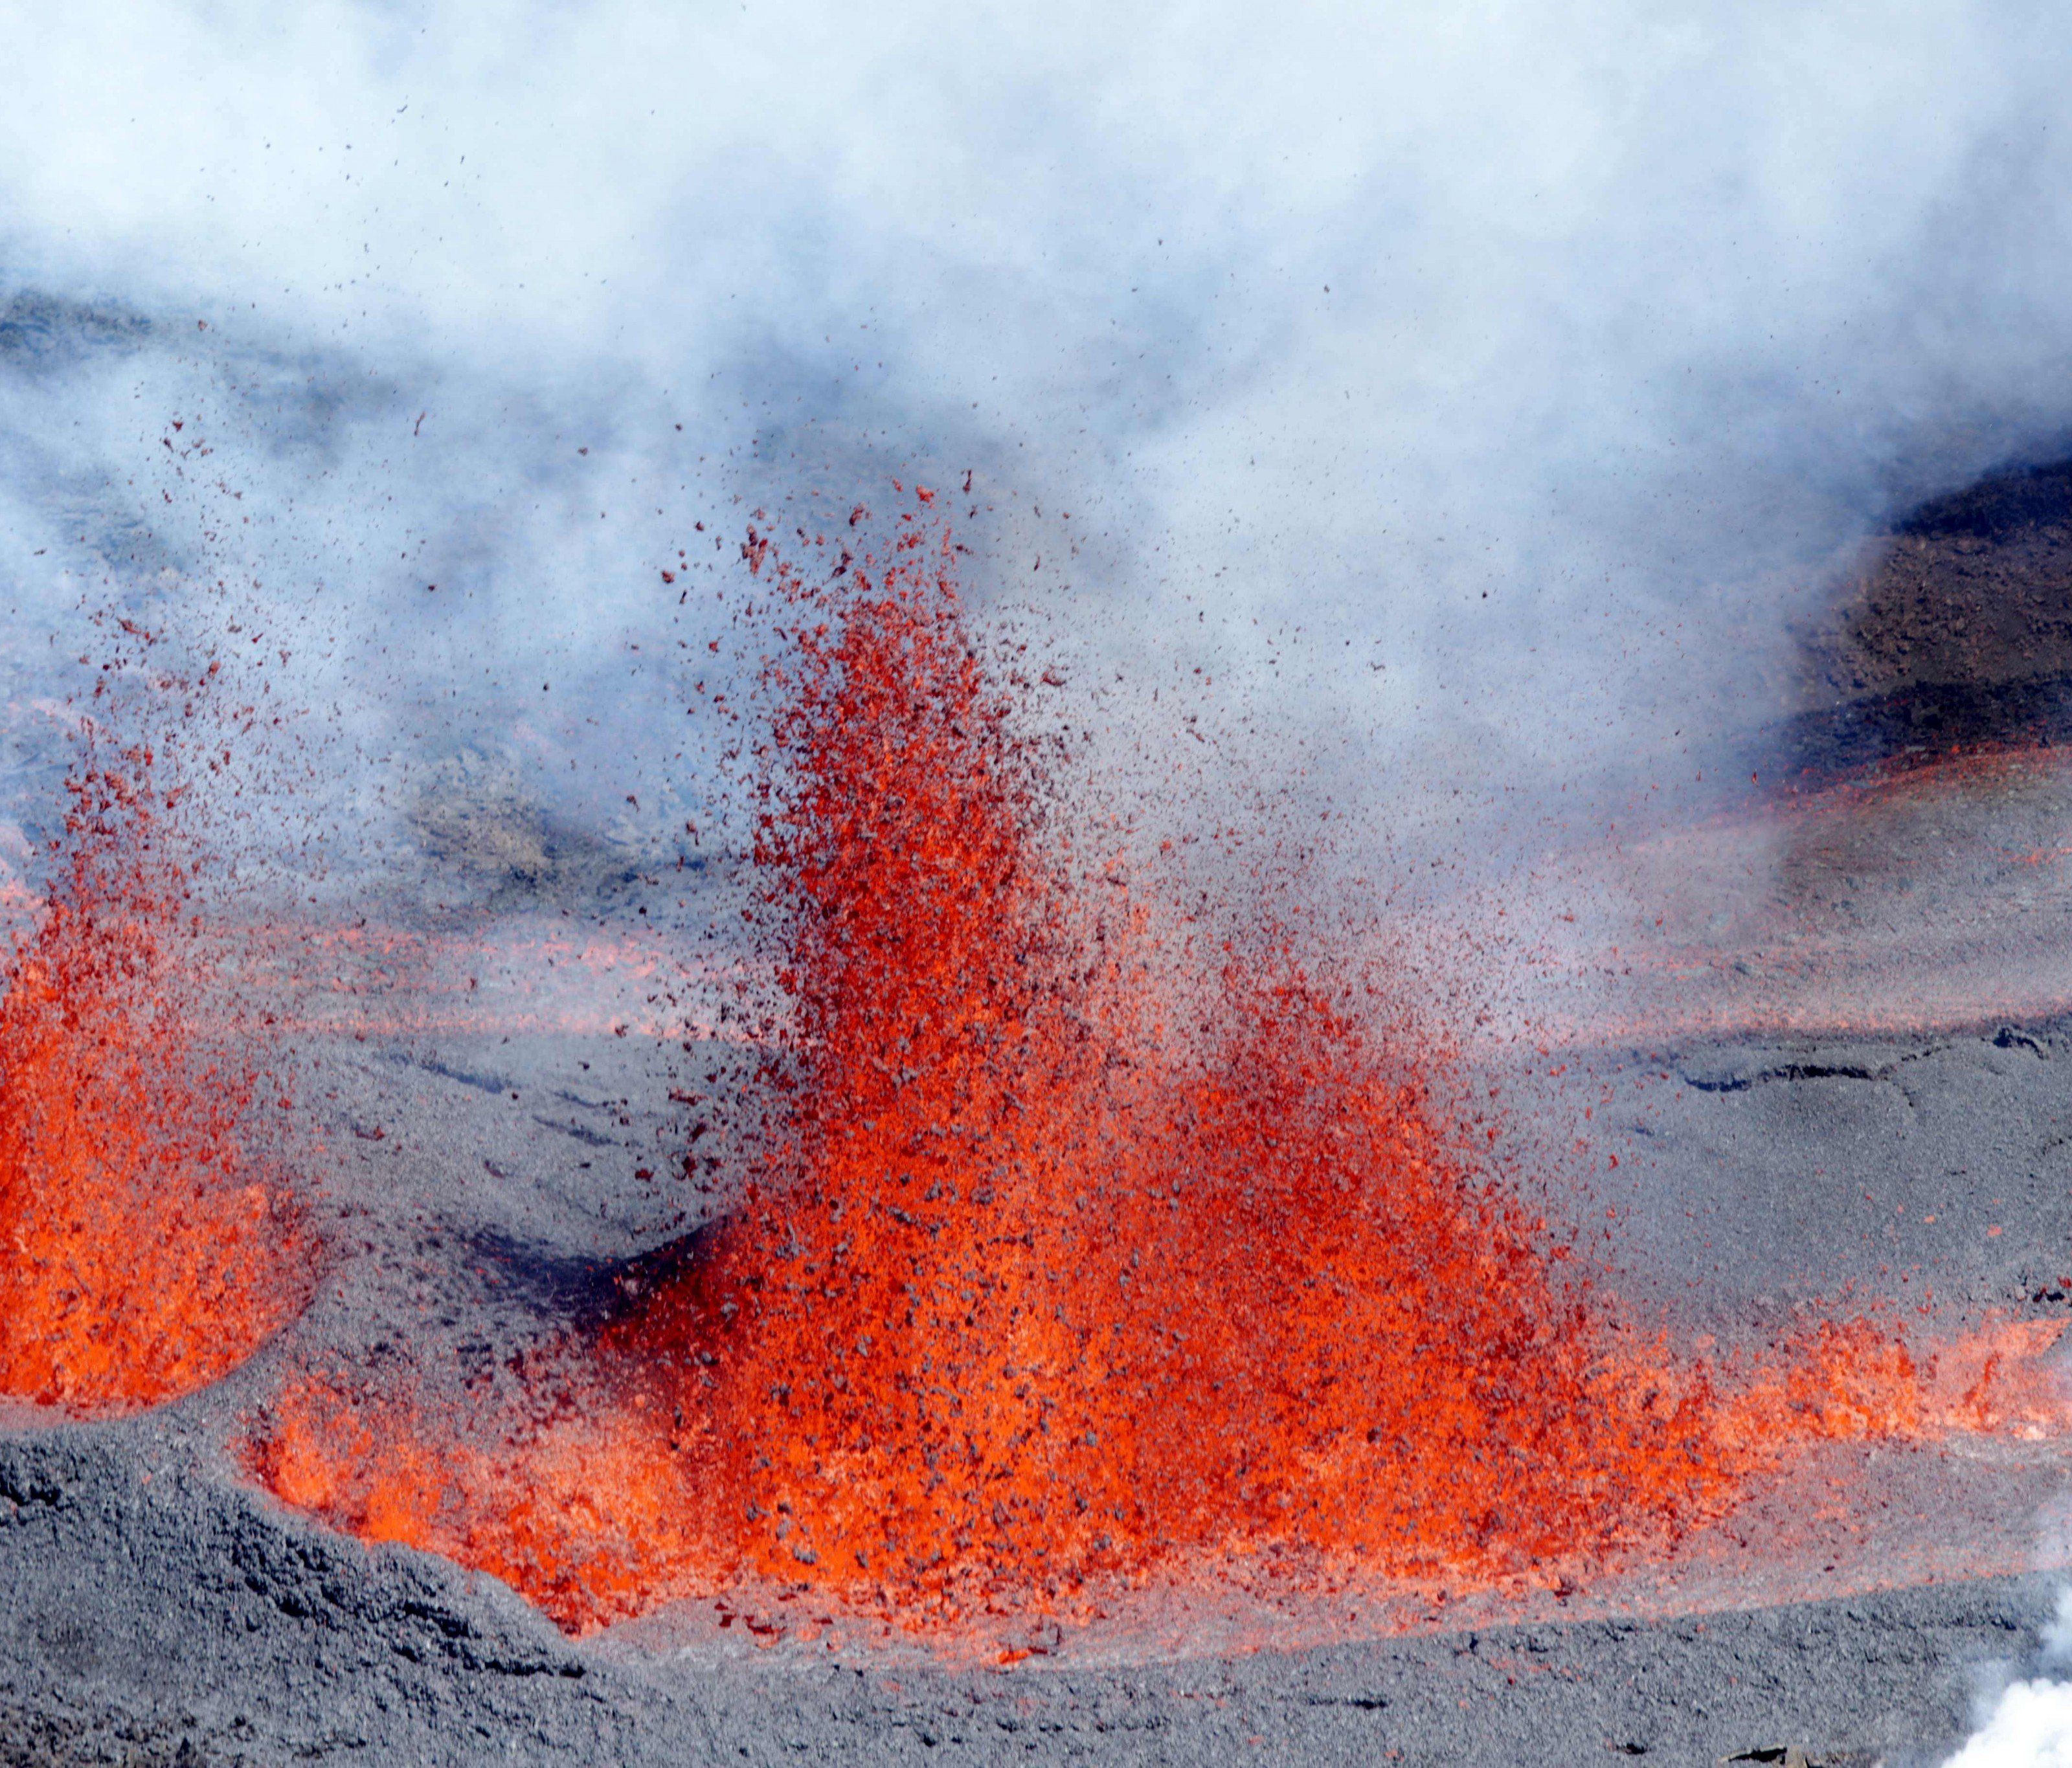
x,y
473,815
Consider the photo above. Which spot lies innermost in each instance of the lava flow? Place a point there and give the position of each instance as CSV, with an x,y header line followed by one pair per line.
x,y
1069,1258
144,1252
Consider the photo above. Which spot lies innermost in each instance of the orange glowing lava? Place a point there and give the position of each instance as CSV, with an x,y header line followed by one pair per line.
x,y
142,1252
1072,1258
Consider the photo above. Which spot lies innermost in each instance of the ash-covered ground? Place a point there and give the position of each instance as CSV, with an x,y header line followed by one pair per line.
x,y
155,1612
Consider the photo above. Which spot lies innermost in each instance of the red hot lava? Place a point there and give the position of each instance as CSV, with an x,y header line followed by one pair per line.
x,y
1042,1286
143,1251
1059,1265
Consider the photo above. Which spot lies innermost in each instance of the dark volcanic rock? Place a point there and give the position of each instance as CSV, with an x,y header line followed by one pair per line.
x,y
1955,631
474,817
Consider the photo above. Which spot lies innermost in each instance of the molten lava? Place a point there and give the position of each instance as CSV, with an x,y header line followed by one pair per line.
x,y
1063,1262
142,1252
1040,1286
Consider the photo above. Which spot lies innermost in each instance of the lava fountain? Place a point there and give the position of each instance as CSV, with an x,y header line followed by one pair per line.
x,y
146,1248
1083,1246
1059,1269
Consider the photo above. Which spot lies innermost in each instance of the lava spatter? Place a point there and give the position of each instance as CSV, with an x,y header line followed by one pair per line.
x,y
1066,1258
145,1248
1036,1287
581,1504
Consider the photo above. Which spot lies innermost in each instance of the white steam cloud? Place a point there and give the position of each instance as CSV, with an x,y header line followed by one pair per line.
x,y
1535,361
